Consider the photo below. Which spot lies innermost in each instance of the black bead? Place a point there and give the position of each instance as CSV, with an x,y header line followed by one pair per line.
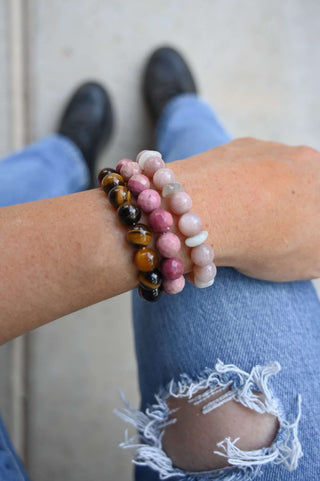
x,y
150,280
129,214
103,173
150,295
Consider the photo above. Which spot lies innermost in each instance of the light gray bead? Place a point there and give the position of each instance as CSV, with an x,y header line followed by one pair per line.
x,y
197,239
171,188
201,284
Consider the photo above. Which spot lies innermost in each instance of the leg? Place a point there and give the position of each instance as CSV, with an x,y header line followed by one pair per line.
x,y
11,468
51,167
253,327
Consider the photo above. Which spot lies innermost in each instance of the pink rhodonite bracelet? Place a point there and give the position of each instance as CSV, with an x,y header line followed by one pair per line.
x,y
150,165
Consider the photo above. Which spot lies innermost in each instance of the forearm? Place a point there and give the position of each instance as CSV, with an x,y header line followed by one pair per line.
x,y
57,256
62,254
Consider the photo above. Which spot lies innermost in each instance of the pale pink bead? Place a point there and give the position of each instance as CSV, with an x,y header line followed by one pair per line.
x,y
162,177
152,164
148,200
160,220
121,163
190,224
202,255
205,273
139,155
173,287
129,169
168,244
180,203
138,183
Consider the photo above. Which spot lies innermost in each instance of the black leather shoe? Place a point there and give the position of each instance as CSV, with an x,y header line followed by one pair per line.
x,y
166,75
88,121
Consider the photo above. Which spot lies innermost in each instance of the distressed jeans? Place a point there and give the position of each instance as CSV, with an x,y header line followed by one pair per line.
x,y
241,333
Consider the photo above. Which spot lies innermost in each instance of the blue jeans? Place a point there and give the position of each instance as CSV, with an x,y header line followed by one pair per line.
x,y
235,334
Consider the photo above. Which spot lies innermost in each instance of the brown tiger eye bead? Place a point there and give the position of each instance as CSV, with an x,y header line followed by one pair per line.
x,y
110,181
146,259
150,280
129,214
139,235
119,195
103,173
150,295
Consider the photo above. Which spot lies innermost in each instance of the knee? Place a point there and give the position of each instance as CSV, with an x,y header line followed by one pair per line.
x,y
191,441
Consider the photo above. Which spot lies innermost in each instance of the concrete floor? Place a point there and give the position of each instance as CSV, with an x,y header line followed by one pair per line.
x,y
257,62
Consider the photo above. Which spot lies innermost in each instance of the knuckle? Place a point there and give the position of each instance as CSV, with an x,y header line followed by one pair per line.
x,y
305,152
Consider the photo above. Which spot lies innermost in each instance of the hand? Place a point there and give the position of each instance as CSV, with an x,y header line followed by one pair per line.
x,y
260,202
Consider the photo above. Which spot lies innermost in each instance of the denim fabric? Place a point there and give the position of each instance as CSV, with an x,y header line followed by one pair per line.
x,y
241,321
11,468
51,167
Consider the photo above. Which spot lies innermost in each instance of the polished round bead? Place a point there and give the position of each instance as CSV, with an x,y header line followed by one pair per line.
x,y
190,224
180,203
205,273
152,164
160,220
171,188
172,268
138,183
202,285
146,259
150,280
168,244
145,154
103,173
150,295
162,177
121,163
148,200
129,169
119,195
197,239
175,286
202,255
139,235
129,214
110,181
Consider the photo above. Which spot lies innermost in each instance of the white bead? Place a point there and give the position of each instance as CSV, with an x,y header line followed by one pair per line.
x,y
146,155
202,285
197,239
171,188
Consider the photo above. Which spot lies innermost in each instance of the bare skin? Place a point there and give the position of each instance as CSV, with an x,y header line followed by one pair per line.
x,y
258,200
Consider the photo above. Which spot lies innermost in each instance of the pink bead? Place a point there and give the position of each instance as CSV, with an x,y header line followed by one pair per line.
x,y
121,163
148,200
180,203
168,244
162,177
202,255
129,169
138,183
172,268
173,287
160,220
205,273
152,164
190,224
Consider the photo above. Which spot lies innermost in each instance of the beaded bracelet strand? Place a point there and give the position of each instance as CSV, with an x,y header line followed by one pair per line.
x,y
190,224
160,221
139,235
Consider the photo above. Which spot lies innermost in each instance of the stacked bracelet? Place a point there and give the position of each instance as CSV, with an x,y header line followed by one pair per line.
x,y
132,179
190,224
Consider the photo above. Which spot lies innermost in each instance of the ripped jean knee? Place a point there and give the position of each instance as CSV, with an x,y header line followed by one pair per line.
x,y
225,383
247,324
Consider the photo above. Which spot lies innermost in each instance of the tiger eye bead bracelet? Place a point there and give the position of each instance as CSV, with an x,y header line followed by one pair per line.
x,y
138,235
